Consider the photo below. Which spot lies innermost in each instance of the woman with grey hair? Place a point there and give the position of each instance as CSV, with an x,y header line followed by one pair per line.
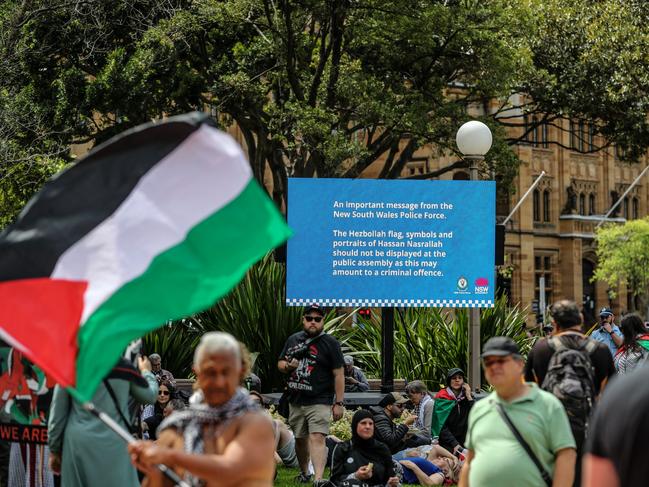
x,y
418,394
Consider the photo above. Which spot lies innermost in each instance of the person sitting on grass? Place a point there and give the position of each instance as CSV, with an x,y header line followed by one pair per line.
x,y
417,392
420,471
429,452
284,438
153,414
438,456
451,411
363,460
395,436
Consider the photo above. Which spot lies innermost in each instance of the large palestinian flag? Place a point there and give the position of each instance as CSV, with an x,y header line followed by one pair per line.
x,y
153,225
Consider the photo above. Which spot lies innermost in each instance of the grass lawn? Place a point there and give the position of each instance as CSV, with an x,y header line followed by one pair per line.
x,y
286,478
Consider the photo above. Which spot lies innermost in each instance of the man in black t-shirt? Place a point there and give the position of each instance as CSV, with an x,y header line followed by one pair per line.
x,y
616,447
314,362
567,321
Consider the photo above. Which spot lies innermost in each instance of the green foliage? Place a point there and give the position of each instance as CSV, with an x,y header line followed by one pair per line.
x,y
590,64
324,88
343,427
429,341
623,255
254,312
21,180
175,343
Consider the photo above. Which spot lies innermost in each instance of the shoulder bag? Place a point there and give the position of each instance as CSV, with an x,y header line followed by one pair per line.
x,y
544,473
133,427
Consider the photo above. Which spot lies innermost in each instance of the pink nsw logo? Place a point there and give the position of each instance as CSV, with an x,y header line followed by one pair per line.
x,y
482,282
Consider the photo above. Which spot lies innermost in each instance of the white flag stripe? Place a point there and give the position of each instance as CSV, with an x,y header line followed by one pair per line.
x,y
203,174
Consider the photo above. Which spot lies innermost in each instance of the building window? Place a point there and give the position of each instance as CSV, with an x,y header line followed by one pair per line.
x,y
620,153
582,136
582,204
625,206
544,135
574,135
536,132
416,168
592,210
546,206
537,205
591,137
635,208
543,268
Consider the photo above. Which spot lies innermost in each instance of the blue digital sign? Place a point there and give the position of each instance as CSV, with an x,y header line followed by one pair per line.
x,y
368,242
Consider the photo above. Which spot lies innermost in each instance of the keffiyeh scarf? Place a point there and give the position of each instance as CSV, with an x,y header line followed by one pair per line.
x,y
190,422
419,410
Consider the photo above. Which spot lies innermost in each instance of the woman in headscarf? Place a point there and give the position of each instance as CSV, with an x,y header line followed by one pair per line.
x,y
363,460
634,350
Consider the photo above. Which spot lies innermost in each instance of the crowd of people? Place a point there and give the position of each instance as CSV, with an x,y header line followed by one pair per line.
x,y
541,423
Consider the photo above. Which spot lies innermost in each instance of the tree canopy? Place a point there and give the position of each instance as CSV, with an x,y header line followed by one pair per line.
x,y
321,88
623,256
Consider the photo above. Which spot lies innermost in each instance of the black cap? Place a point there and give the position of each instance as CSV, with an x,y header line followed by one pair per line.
x,y
314,307
392,398
500,346
605,312
452,372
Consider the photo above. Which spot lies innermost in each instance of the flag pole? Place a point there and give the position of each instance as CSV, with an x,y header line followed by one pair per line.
x,y
128,438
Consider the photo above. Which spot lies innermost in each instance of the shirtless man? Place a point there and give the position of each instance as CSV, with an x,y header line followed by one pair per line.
x,y
231,438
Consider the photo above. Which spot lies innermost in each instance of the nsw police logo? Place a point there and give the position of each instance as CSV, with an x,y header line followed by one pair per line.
x,y
462,283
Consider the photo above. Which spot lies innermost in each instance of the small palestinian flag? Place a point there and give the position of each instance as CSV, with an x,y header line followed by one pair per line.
x,y
153,225
444,404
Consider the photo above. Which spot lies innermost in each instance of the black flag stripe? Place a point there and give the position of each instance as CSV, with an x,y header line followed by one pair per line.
x,y
58,216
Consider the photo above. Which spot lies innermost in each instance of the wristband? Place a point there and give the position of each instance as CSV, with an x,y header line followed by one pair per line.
x,y
339,403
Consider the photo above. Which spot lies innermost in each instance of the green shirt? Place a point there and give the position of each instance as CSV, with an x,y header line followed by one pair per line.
x,y
499,459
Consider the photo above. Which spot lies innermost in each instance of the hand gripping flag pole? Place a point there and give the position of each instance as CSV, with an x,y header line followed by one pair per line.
x,y
123,434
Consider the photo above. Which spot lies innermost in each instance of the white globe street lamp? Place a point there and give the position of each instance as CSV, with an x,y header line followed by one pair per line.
x,y
474,141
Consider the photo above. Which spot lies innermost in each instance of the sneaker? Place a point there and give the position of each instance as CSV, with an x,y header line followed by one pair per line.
x,y
303,478
321,483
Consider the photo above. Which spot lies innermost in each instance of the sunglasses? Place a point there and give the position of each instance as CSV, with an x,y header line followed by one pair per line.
x,y
494,361
163,393
317,319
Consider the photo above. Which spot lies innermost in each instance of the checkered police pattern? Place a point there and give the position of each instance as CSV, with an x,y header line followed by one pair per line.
x,y
397,303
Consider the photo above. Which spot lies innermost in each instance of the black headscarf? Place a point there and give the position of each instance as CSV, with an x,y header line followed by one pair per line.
x,y
372,449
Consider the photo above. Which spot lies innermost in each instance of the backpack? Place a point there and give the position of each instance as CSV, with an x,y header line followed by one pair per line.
x,y
571,379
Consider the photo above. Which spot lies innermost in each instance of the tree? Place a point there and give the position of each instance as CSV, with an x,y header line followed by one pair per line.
x,y
623,256
321,88
590,68
328,87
